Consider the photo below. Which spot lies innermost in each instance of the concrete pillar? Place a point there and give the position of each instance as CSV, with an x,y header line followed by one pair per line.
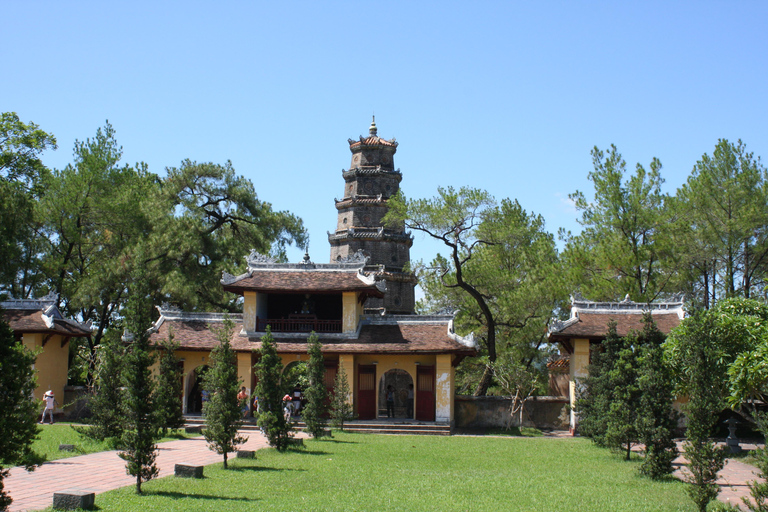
x,y
347,361
444,388
578,371
249,311
352,309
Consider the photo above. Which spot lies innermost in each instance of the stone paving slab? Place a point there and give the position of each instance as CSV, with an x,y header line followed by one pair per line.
x,y
104,471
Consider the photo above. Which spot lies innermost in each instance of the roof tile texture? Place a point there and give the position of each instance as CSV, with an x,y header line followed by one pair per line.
x,y
26,320
374,339
301,281
595,325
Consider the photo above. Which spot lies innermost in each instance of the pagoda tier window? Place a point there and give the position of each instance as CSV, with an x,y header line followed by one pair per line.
x,y
299,312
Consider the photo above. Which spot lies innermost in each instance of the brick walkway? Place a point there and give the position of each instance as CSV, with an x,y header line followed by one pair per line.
x,y
104,471
732,479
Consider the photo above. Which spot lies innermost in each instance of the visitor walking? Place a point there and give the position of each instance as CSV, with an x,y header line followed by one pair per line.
x,y
50,403
390,401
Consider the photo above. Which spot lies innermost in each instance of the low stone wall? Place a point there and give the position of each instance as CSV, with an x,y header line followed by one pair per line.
x,y
545,412
75,403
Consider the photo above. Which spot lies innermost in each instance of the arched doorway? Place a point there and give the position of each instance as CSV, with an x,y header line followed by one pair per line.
x,y
293,382
401,381
195,386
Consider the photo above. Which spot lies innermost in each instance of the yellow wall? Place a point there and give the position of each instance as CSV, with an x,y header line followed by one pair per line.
x,y
578,370
347,361
51,365
352,309
249,311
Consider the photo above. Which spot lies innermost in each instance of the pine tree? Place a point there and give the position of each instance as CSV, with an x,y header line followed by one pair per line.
x,y
18,427
270,394
141,431
341,403
106,395
595,392
621,432
169,388
656,419
223,415
696,348
314,412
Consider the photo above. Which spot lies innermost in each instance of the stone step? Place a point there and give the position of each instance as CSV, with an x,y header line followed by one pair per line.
x,y
404,428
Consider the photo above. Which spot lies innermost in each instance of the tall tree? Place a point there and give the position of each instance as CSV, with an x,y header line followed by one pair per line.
x,y
622,248
106,398
22,182
341,401
726,200
18,427
217,217
500,271
656,419
314,413
169,388
222,411
698,353
594,393
141,432
270,393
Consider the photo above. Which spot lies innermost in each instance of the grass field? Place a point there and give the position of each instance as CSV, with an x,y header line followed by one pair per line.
x,y
62,433
377,472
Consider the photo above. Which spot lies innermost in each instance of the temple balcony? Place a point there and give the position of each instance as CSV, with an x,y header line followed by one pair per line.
x,y
299,323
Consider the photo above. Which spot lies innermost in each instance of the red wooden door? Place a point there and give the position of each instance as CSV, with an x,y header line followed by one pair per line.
x,y
329,378
366,392
425,393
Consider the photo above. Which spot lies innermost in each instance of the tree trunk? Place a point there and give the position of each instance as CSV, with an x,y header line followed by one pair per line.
x,y
225,460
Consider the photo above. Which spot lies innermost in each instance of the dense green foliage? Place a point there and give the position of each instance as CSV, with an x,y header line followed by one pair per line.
x,y
627,398
140,434
19,411
341,401
223,410
88,226
169,388
270,393
106,398
621,249
425,473
698,351
22,183
500,274
315,411
656,418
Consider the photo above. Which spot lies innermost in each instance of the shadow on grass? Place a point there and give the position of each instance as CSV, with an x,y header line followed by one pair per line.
x,y
260,468
180,495
329,440
312,452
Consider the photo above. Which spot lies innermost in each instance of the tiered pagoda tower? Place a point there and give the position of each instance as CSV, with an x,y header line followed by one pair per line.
x,y
368,183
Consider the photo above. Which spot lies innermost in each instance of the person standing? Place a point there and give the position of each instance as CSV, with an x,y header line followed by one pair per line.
x,y
390,401
50,403
242,398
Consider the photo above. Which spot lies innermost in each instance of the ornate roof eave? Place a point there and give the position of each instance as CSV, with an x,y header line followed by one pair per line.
x,y
581,305
370,234
354,172
360,200
372,142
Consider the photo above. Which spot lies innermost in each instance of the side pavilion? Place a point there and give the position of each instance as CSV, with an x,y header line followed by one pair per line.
x,y
39,324
588,327
375,350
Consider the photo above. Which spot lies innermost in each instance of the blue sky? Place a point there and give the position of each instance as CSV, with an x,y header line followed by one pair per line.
x,y
505,96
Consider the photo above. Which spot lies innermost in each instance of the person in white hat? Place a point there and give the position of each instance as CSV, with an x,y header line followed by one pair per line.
x,y
50,402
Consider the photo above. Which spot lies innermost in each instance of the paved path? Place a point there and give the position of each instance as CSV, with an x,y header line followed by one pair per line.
x,y
732,479
104,471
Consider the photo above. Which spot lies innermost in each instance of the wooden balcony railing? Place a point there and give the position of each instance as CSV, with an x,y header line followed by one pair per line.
x,y
298,323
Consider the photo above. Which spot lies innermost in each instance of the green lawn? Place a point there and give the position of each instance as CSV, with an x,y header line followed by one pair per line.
x,y
377,472
51,436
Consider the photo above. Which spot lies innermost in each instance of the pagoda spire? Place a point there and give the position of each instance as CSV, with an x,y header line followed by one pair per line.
x,y
373,130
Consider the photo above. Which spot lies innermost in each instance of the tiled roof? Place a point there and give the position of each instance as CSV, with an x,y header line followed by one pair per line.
x,y
561,363
372,140
303,281
31,320
595,325
397,338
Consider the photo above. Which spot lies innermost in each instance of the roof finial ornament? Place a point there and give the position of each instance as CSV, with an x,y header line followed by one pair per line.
x,y
372,130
